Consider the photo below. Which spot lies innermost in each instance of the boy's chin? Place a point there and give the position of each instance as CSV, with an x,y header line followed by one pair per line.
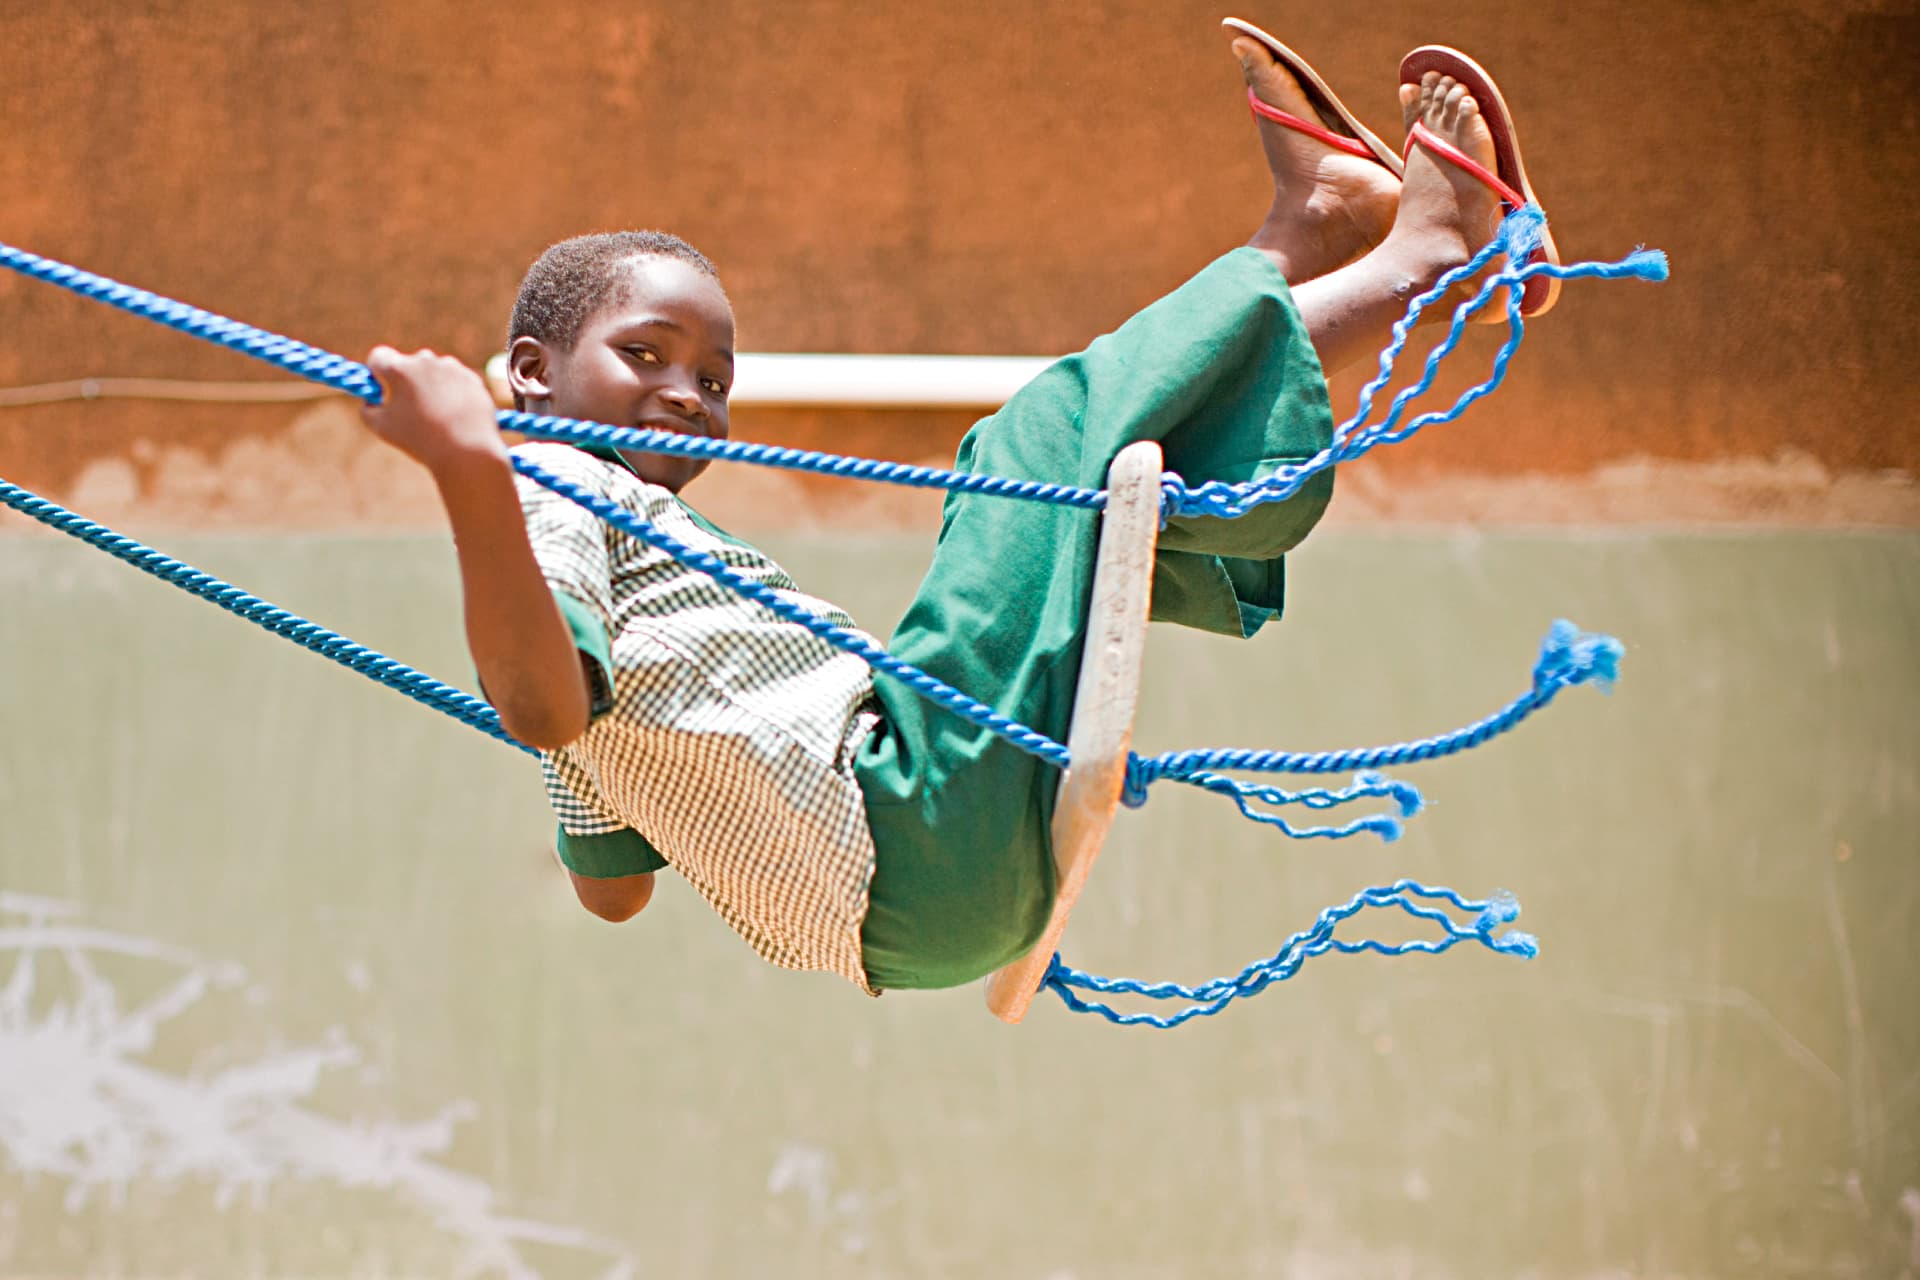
x,y
671,478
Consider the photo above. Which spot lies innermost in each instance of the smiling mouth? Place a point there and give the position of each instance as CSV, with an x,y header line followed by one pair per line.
x,y
673,425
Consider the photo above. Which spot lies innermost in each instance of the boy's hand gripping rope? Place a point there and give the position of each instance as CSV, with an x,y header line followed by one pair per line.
x,y
1568,657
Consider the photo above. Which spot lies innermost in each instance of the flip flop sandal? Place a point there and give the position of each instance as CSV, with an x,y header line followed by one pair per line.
x,y
1357,140
1510,182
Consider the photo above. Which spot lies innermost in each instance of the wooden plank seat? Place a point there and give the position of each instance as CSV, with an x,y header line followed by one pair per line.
x,y
1103,708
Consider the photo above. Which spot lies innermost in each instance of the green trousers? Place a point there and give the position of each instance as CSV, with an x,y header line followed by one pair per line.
x,y
1222,374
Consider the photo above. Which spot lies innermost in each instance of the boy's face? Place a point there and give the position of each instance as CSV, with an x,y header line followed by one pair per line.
x,y
658,354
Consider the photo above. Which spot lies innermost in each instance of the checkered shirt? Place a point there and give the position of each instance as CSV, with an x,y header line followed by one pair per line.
x,y
732,733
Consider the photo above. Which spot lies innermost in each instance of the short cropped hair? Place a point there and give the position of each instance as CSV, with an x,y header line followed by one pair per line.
x,y
572,280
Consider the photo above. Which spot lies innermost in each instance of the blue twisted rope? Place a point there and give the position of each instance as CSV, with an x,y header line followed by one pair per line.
x,y
929,687
1210,998
574,431
1515,237
472,711
422,688
355,379
1365,784
1643,264
1557,666
296,357
1568,656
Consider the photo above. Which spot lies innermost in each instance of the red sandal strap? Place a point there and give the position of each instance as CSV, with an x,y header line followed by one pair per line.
x,y
1338,141
1447,151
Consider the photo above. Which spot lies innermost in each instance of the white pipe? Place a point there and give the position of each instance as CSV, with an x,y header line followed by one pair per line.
x,y
861,382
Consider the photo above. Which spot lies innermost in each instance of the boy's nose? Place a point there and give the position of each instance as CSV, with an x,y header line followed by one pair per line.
x,y
686,401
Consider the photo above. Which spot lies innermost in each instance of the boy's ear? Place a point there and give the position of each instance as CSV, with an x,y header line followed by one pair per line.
x,y
527,369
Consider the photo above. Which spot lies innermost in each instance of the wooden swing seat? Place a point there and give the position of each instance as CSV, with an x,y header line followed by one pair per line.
x,y
1103,709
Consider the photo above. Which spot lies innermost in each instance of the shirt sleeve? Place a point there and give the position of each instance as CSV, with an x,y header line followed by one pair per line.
x,y
609,854
570,544
590,638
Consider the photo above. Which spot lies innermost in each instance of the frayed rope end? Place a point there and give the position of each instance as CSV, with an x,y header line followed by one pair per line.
x,y
1503,908
1385,826
1524,945
1521,231
1569,655
1648,264
1404,794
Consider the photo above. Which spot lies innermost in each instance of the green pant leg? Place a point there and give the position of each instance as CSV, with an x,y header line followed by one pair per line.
x,y
1222,374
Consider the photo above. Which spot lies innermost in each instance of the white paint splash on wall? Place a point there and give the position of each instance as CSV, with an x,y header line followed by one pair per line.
x,y
78,1103
808,1172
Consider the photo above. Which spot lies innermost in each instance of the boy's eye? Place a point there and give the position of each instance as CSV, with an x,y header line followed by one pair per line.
x,y
714,385
646,355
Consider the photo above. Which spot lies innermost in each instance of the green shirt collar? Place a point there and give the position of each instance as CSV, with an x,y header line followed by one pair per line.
x,y
610,454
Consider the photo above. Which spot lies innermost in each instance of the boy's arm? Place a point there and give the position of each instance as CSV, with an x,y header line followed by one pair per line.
x,y
616,900
438,411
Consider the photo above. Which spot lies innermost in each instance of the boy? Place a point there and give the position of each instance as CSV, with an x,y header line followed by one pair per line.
x,y
836,822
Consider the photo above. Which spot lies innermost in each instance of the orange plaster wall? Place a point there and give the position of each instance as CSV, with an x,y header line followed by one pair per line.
x,y
1004,176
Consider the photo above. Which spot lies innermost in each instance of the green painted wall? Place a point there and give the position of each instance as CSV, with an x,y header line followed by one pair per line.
x,y
289,984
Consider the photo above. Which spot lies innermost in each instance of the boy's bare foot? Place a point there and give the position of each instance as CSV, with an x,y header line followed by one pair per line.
x,y
1446,214
1329,207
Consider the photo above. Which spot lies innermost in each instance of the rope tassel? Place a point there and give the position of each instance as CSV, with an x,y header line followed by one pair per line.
x,y
1209,998
1568,657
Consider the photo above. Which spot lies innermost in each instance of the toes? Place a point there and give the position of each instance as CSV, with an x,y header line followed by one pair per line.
x,y
1272,80
1441,102
1255,61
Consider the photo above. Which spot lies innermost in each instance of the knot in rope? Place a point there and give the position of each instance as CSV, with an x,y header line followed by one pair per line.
x,y
1141,774
1174,496
1521,232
